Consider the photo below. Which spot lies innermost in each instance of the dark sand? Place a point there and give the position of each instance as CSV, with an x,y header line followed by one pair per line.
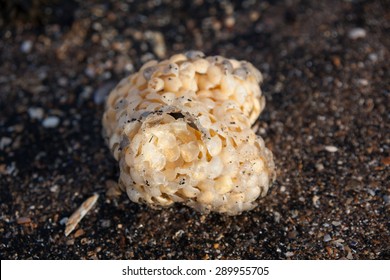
x,y
327,86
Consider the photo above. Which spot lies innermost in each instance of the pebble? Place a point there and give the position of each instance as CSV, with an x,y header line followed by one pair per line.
x,y
79,233
386,160
54,188
26,46
3,168
23,220
90,71
51,122
277,217
349,255
362,82
320,166
386,198
371,192
105,223
63,221
11,169
316,201
70,242
373,57
292,234
179,233
327,238
86,93
289,254
35,113
5,141
229,22
353,243
331,149
357,33
63,81
158,43
101,93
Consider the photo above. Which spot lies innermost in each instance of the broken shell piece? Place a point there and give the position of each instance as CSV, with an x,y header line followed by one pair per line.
x,y
181,131
79,214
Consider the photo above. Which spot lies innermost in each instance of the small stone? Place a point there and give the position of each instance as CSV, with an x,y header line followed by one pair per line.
x,y
316,201
113,189
353,243
86,93
349,255
63,221
339,243
386,198
336,61
229,22
70,242
362,82
63,81
26,46
54,188
35,113
5,141
85,241
371,192
320,166
23,220
336,223
373,57
277,217
11,169
129,67
179,233
292,234
327,238
357,33
3,168
331,149
386,161
105,223
90,71
51,122
79,233
101,93
158,43
289,254
254,15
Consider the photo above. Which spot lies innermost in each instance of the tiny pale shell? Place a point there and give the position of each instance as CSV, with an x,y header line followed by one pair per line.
x,y
79,214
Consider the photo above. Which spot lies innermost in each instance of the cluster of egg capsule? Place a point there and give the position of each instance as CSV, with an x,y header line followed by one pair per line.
x,y
181,131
